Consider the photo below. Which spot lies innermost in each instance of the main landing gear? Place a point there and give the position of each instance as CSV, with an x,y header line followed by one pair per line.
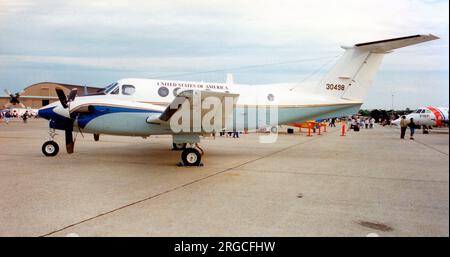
x,y
191,156
178,146
50,148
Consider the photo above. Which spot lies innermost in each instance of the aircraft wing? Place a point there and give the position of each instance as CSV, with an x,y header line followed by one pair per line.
x,y
195,98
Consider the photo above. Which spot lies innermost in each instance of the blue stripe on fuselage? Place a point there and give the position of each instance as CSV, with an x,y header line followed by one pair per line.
x,y
97,111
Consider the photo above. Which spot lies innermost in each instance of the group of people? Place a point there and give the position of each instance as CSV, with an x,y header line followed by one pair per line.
x,y
235,134
361,122
7,115
404,124
332,122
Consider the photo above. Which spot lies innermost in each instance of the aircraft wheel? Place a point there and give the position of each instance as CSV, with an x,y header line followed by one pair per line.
x,y
274,129
50,148
179,146
191,157
96,137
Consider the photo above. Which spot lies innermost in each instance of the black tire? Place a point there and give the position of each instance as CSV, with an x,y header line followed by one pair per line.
x,y
50,148
180,146
96,137
191,157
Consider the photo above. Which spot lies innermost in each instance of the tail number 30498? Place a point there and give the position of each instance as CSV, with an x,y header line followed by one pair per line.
x,y
335,87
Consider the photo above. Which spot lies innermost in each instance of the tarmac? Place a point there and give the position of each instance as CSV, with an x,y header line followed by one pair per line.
x,y
365,183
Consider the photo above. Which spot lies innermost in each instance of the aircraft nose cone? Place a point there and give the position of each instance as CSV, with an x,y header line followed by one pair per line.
x,y
46,113
396,122
64,112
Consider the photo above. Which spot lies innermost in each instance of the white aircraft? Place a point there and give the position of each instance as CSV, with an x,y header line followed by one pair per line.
x,y
427,116
144,107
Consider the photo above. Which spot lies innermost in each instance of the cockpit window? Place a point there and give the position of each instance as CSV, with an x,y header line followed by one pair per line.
x,y
418,111
128,90
115,91
110,87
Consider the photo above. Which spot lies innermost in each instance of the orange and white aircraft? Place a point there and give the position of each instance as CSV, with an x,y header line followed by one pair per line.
x,y
427,116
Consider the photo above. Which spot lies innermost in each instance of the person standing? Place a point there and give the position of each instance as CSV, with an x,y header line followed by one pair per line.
x,y
403,127
7,117
366,123
371,122
25,117
412,128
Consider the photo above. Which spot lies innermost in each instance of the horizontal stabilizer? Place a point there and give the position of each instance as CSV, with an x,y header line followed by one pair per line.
x,y
387,45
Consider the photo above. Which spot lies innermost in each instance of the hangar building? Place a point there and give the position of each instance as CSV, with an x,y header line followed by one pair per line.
x,y
46,90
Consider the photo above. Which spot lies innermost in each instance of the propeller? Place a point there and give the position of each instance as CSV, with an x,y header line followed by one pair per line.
x,y
68,126
14,99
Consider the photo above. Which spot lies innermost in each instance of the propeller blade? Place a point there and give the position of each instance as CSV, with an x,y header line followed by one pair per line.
x,y
61,96
69,137
72,94
7,92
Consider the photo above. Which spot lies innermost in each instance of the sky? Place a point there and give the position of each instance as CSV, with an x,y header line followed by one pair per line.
x,y
98,42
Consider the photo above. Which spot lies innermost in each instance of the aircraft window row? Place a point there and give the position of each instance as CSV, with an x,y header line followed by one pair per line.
x,y
128,90
163,91
423,111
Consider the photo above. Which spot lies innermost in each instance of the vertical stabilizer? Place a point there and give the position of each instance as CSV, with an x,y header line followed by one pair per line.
x,y
354,72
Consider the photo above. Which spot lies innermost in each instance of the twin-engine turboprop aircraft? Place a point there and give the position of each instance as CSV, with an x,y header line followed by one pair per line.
x,y
187,110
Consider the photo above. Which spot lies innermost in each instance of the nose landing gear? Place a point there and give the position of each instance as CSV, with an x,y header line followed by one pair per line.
x,y
178,146
50,148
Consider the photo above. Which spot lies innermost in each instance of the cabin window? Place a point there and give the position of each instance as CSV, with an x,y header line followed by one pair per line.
x,y
163,91
270,97
128,90
175,91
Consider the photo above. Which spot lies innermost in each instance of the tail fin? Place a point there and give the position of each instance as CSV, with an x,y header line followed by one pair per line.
x,y
354,72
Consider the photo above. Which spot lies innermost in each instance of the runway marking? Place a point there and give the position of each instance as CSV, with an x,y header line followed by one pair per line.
x,y
178,187
345,176
431,147
424,144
